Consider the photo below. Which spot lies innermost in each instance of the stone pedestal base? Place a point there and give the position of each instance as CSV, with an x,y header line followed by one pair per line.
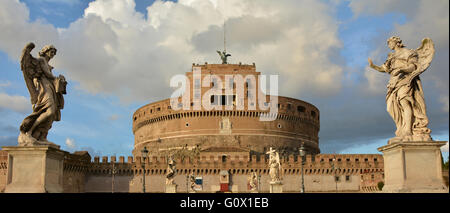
x,y
254,191
413,167
171,188
276,187
34,169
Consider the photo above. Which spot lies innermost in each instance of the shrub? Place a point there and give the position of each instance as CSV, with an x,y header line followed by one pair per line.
x,y
380,185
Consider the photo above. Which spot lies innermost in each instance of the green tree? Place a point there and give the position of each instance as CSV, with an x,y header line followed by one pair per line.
x,y
380,185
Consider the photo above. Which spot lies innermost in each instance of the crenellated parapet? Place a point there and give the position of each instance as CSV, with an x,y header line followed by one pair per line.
x,y
111,165
77,162
3,160
321,164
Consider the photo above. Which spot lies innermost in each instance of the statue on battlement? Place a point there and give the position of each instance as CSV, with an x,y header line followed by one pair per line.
x,y
223,55
192,184
46,93
253,182
405,97
171,171
274,165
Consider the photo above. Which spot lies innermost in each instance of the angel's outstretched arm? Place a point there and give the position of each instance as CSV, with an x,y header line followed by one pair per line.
x,y
377,68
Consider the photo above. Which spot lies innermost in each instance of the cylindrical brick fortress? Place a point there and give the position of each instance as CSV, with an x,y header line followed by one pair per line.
x,y
162,129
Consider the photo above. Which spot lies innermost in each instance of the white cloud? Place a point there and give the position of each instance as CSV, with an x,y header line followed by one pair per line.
x,y
424,19
16,103
5,84
69,2
70,143
113,49
383,6
444,148
376,81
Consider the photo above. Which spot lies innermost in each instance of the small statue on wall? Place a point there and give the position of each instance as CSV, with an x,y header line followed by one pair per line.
x,y
192,182
253,182
171,171
274,165
405,97
46,93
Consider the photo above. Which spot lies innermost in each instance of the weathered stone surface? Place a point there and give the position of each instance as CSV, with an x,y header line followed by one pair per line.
x,y
413,167
82,175
276,187
34,169
171,188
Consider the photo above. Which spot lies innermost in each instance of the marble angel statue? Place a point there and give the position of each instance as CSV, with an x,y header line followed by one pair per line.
x,y
274,165
171,171
405,97
253,181
46,93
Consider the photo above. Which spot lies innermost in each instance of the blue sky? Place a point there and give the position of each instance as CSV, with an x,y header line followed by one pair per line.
x,y
101,99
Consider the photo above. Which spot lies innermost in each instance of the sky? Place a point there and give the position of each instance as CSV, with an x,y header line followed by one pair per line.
x,y
119,55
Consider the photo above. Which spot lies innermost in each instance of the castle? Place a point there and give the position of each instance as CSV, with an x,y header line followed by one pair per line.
x,y
221,147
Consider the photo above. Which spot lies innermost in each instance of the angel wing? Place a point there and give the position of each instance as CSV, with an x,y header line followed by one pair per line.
x,y
220,53
426,54
30,68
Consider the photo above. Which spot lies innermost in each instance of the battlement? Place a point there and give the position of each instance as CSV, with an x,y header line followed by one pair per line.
x,y
243,164
113,159
320,159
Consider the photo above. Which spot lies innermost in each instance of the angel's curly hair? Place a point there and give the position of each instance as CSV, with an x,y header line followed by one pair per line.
x,y
396,40
46,48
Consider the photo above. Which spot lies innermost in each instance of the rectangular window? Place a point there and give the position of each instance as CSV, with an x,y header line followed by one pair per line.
x,y
223,100
347,178
247,84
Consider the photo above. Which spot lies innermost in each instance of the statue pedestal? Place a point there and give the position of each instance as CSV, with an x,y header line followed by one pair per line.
x,y
34,169
276,187
414,166
171,188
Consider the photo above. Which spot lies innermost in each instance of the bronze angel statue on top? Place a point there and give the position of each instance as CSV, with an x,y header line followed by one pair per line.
x,y
405,98
46,94
223,55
